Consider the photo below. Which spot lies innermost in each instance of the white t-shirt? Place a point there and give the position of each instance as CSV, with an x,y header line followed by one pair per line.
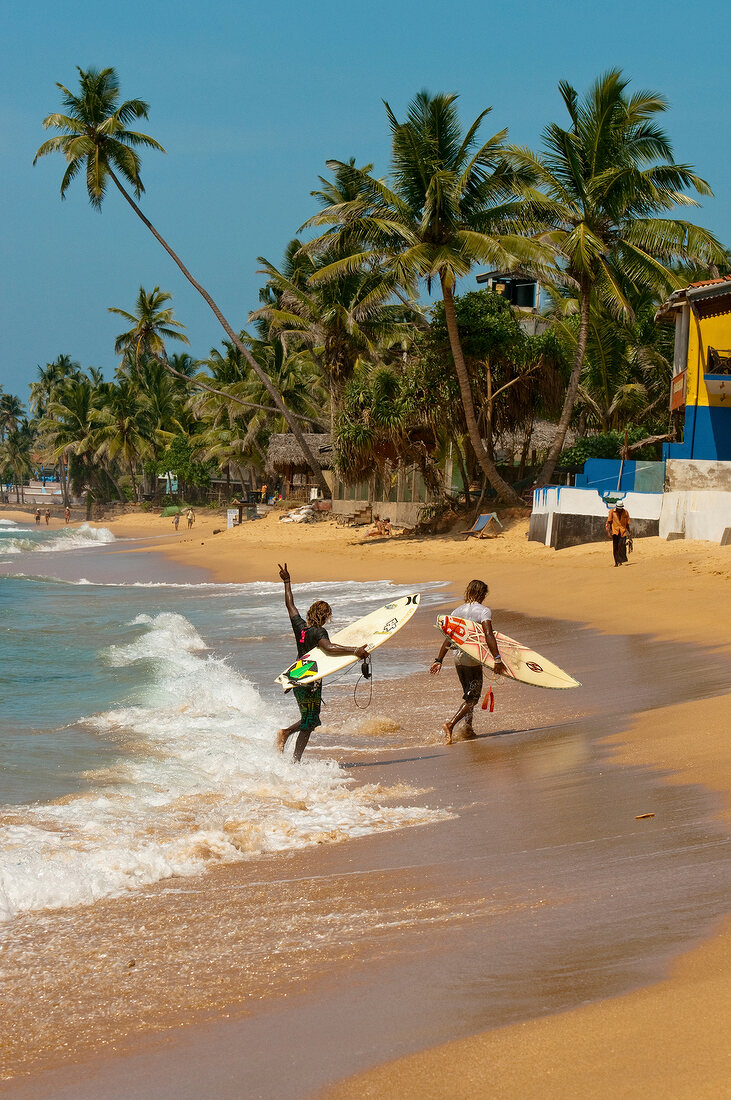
x,y
476,613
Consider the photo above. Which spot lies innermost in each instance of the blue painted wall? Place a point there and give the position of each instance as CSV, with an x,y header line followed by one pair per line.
x,y
639,477
707,434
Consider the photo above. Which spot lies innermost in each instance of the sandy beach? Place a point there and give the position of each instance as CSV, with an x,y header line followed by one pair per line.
x,y
631,1005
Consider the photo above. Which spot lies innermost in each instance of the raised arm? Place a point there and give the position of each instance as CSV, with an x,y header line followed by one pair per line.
x,y
288,598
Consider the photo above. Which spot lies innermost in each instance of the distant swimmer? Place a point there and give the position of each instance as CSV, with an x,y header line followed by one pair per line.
x,y
67,515
38,517
308,634
617,527
468,669
48,516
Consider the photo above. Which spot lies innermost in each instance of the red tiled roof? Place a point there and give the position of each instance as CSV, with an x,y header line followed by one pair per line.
x,y
711,282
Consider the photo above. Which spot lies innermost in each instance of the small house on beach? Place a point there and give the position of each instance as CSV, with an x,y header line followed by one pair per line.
x,y
286,462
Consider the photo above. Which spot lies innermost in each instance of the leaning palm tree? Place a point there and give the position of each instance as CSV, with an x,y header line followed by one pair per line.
x,y
601,184
94,138
451,204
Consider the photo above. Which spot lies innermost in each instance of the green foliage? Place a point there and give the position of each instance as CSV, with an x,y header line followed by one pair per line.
x,y
176,459
608,445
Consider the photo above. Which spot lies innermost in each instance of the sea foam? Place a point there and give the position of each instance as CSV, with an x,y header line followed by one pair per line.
x,y
71,538
198,782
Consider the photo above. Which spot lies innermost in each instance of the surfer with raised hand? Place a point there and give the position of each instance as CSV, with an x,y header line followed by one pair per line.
x,y
308,634
468,669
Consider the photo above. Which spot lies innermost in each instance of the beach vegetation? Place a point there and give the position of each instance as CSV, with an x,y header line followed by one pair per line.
x,y
340,343
600,186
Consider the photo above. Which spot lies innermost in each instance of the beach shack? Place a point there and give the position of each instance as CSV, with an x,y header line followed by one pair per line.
x,y
286,463
701,384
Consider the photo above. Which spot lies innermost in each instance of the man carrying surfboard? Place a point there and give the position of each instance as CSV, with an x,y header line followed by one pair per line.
x,y
468,669
308,634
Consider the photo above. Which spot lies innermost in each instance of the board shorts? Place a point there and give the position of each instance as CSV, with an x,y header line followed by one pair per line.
x,y
309,700
470,677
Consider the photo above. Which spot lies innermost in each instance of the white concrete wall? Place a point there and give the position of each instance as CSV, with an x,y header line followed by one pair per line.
x,y
701,514
690,475
568,500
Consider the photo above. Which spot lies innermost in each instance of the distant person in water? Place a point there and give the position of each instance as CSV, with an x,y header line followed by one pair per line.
x,y
67,515
469,670
176,520
48,516
617,527
308,634
38,517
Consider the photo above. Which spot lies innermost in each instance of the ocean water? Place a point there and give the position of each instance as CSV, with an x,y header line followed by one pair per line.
x,y
137,723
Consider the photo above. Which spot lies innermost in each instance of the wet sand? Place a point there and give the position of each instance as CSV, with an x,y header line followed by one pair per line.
x,y
545,889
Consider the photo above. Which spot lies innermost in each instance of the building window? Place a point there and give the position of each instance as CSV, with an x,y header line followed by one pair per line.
x,y
682,329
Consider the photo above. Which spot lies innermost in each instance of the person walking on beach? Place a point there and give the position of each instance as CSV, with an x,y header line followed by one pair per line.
x,y
617,526
191,518
38,517
308,634
176,520
468,669
67,515
48,516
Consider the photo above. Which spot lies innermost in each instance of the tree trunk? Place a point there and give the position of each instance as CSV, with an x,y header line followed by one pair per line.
x,y
504,491
463,472
573,388
235,339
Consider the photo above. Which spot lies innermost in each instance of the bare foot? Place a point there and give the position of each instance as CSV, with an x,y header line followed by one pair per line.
x,y
281,740
468,734
447,731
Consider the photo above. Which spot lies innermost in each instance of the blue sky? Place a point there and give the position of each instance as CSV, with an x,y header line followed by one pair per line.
x,y
250,100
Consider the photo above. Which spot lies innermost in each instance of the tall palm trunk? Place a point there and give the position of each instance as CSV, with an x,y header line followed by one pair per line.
x,y
261,375
504,491
573,387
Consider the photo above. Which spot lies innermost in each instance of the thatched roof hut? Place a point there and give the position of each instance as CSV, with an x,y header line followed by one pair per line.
x,y
285,458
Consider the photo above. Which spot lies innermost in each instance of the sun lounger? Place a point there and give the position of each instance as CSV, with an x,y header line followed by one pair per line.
x,y
482,525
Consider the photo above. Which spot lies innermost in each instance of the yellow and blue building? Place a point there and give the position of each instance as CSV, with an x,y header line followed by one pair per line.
x,y
701,384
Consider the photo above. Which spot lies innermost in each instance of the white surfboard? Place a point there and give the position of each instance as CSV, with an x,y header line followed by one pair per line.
x,y
523,664
371,631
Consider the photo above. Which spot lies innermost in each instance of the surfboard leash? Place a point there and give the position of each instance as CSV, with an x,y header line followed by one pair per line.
x,y
488,703
366,673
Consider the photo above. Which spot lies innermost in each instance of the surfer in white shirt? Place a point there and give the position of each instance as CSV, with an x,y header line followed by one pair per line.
x,y
468,669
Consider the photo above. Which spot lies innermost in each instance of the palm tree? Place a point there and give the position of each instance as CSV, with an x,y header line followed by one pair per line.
x,y
125,430
151,324
68,427
15,451
94,138
451,204
600,185
340,319
11,414
49,378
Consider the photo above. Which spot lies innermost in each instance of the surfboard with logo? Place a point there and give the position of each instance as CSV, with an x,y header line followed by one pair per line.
x,y
522,663
371,631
